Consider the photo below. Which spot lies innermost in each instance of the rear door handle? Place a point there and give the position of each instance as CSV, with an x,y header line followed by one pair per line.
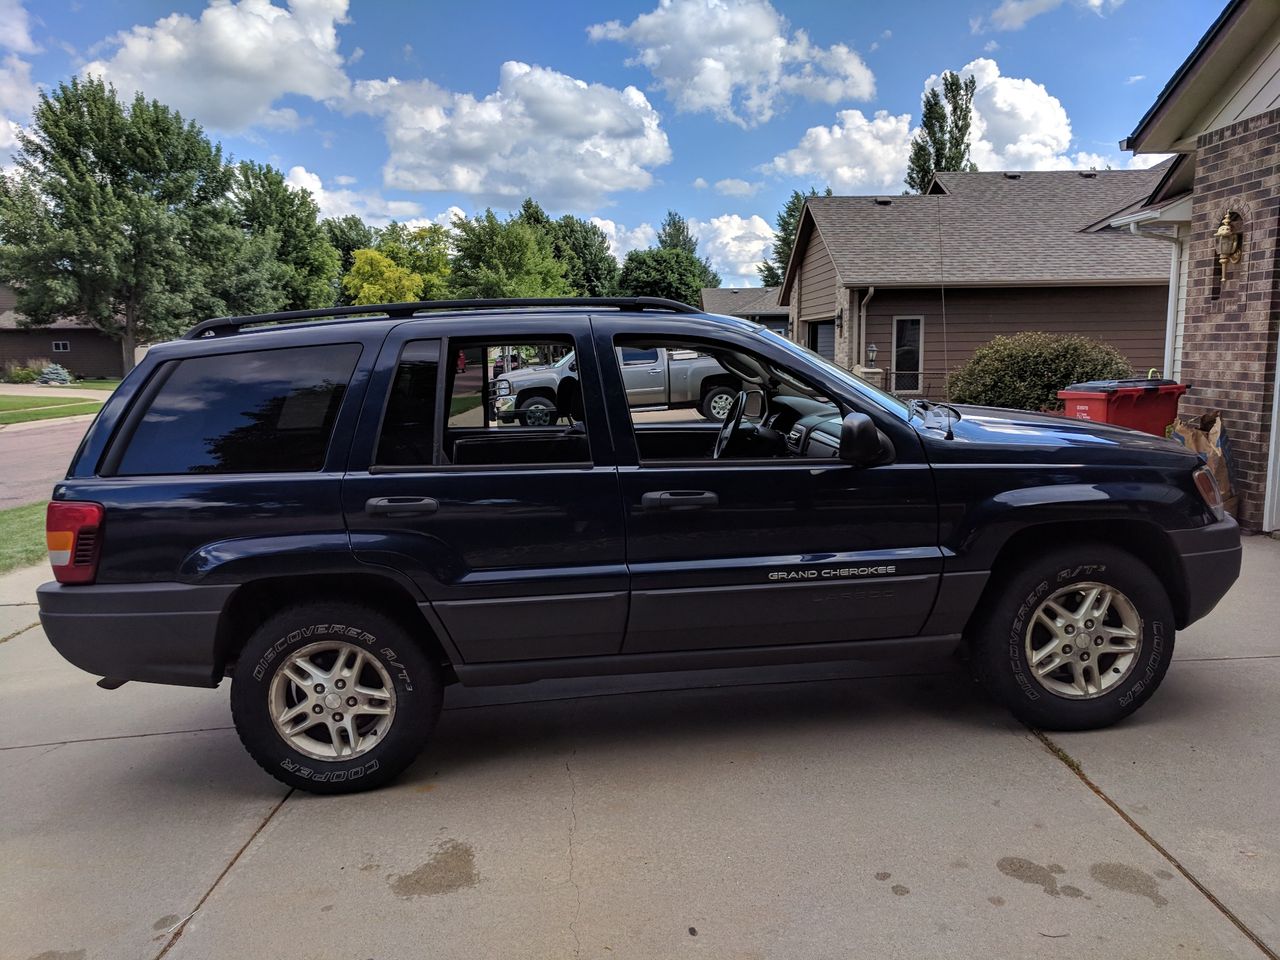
x,y
400,506
678,500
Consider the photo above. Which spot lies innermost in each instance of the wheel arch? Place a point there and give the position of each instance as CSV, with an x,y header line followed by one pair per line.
x,y
258,599
714,381
1141,539
529,393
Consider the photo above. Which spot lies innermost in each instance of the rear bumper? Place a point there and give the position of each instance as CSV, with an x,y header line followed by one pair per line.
x,y
1210,558
156,632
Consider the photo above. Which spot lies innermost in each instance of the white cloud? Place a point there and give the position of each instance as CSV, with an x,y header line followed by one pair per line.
x,y
368,205
228,68
444,219
853,155
1017,125
991,46
700,183
622,240
733,187
735,58
1135,78
343,180
1015,14
15,28
541,133
17,96
735,245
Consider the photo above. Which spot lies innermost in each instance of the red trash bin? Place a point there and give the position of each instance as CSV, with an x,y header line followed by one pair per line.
x,y
1146,405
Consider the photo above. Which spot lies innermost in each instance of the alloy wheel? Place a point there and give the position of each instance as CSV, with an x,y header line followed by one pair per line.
x,y
1083,640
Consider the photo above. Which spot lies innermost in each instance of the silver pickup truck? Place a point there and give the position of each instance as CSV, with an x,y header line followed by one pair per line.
x,y
654,377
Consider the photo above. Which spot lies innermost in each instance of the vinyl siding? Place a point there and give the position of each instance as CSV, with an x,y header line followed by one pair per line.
x,y
92,354
1253,88
818,282
1130,318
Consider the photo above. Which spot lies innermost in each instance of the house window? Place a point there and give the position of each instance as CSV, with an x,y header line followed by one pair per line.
x,y
908,354
62,346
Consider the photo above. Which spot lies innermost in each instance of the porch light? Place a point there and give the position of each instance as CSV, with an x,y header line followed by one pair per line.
x,y
1226,241
872,350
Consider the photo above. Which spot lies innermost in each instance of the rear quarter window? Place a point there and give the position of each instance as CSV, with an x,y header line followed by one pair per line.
x,y
264,411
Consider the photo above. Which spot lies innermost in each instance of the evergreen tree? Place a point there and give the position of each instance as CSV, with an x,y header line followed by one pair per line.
x,y
118,216
674,234
943,140
774,270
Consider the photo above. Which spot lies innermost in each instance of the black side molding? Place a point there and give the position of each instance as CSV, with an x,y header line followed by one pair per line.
x,y
527,671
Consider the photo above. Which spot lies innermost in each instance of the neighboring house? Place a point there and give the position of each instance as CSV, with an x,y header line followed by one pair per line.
x,y
1220,113
758,304
928,279
82,349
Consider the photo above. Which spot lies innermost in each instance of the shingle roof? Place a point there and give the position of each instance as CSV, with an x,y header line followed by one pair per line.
x,y
742,301
992,229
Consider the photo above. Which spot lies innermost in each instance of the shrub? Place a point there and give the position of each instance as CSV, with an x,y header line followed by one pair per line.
x,y
54,373
17,374
1026,371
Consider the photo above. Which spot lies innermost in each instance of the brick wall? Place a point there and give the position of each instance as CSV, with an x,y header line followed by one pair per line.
x,y
1229,350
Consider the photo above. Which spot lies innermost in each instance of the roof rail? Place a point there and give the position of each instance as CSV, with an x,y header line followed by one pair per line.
x,y
223,326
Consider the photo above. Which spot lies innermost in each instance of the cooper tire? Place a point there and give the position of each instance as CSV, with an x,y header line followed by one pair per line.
x,y
715,399
1002,648
393,667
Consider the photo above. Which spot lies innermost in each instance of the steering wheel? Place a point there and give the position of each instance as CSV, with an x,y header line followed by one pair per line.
x,y
732,423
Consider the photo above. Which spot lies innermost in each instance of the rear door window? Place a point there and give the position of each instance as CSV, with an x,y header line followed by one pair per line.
x,y
265,411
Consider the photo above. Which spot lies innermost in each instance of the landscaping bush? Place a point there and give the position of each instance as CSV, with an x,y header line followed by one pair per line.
x,y
1026,371
16,374
55,373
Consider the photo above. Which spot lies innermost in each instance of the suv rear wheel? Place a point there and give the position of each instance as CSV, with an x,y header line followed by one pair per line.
x,y
1076,639
334,697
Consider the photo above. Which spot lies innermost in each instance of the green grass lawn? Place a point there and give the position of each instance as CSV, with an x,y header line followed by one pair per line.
x,y
28,403
101,384
50,413
22,537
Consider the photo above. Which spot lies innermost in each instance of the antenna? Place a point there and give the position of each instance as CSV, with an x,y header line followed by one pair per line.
x,y
942,286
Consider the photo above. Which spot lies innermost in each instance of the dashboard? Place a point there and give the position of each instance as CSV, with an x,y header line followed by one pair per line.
x,y
810,428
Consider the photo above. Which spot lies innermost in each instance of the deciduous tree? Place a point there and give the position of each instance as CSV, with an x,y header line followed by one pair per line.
x,y
420,250
504,258
668,272
376,278
943,140
674,234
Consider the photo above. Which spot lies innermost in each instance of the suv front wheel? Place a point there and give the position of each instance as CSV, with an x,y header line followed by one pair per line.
x,y
334,697
1075,639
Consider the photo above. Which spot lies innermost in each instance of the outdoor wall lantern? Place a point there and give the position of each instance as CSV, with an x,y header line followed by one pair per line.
x,y
872,350
1226,241
840,318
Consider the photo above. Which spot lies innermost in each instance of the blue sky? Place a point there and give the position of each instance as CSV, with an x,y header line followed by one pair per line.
x,y
615,111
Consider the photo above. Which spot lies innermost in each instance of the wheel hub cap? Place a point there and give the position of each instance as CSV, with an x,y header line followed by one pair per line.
x,y
1083,641
314,720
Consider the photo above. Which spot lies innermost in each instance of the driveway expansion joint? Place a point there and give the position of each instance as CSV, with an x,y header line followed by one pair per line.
x,y
181,926
1074,766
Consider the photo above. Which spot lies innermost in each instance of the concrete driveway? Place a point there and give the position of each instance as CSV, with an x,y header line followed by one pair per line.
x,y
813,812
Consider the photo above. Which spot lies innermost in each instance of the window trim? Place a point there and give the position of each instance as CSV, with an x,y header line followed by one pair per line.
x,y
893,357
61,346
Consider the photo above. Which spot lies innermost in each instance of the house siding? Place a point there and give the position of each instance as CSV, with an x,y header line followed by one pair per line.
x,y
816,292
1130,318
91,353
1229,337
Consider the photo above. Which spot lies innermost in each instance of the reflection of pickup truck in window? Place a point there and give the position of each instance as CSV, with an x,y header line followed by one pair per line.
x,y
654,378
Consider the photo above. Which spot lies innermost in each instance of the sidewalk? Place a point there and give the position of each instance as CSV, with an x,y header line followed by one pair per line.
x,y
41,390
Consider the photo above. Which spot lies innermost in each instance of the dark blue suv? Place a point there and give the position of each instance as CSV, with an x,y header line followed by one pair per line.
x,y
325,507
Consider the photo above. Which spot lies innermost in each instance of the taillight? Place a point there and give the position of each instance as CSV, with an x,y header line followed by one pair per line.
x,y
1209,492
73,533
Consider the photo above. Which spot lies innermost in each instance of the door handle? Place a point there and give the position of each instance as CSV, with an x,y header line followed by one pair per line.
x,y
400,506
678,500
654,373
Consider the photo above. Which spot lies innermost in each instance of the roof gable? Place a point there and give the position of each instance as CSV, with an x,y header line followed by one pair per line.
x,y
987,229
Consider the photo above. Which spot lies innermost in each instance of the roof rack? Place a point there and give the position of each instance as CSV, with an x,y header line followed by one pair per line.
x,y
224,326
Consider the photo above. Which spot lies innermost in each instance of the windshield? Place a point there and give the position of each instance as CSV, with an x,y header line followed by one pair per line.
x,y
841,375
564,361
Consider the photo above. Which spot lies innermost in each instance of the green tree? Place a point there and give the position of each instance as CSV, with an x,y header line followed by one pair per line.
x,y
774,270
674,234
376,278
307,263
663,272
590,268
118,216
420,250
504,258
943,140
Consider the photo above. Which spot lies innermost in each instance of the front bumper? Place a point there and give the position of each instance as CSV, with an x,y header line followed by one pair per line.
x,y
1210,558
157,632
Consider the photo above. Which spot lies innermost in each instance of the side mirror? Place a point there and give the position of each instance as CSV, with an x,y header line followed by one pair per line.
x,y
859,440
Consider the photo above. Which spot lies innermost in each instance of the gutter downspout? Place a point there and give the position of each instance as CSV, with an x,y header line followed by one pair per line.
x,y
862,327
1175,274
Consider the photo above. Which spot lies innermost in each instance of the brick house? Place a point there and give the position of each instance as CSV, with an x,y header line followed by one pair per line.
x,y
928,279
1220,115
84,350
